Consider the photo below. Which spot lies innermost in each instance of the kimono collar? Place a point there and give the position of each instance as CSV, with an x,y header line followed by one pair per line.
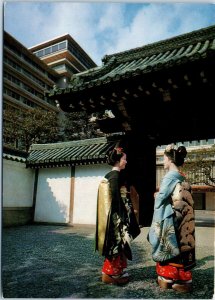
x,y
116,169
175,175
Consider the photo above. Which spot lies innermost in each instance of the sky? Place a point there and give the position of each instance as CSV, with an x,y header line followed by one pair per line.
x,y
103,27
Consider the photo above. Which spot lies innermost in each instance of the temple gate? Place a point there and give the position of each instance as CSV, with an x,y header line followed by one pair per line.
x,y
156,94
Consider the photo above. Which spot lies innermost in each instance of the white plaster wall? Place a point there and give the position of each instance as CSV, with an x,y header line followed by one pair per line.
x,y
18,184
53,195
87,179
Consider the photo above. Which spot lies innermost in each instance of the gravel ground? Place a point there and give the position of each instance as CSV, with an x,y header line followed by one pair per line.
x,y
59,262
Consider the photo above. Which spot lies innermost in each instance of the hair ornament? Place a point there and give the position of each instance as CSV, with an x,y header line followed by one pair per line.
x,y
170,147
119,150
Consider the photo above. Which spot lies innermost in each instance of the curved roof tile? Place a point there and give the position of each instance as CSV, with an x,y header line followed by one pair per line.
x,y
69,153
14,158
153,57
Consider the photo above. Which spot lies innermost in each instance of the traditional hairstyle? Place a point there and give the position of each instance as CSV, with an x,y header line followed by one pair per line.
x,y
177,156
115,155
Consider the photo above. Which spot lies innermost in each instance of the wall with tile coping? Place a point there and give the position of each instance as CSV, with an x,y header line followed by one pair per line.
x,y
57,201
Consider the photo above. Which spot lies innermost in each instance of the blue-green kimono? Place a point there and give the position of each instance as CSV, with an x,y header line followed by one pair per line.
x,y
167,232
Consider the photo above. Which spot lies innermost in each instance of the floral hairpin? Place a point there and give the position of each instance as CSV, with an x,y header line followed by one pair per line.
x,y
170,147
119,150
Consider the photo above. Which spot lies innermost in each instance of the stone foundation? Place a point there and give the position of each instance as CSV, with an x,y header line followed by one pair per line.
x,y
14,216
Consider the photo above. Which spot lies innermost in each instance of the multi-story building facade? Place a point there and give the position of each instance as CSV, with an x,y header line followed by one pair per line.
x,y
64,55
30,73
25,77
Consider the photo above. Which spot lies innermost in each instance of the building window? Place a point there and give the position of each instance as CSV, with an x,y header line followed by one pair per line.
x,y
62,45
51,49
39,53
61,67
47,51
54,48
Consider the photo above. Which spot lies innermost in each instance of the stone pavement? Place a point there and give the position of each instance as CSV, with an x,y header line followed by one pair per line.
x,y
205,218
41,261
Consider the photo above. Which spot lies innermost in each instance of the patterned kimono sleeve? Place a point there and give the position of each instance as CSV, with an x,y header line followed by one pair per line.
x,y
166,189
162,235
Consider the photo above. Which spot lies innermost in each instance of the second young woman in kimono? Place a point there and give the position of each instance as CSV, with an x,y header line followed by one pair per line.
x,y
172,233
116,224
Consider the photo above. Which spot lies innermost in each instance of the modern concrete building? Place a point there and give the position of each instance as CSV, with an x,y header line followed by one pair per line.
x,y
29,74
64,55
25,77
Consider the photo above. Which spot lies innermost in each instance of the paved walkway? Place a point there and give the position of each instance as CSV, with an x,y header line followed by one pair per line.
x,y
59,262
205,218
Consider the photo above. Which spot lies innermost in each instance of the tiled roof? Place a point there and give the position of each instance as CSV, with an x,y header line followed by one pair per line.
x,y
82,152
14,154
14,158
165,54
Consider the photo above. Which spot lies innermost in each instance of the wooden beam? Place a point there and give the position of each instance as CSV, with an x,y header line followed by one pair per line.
x,y
72,190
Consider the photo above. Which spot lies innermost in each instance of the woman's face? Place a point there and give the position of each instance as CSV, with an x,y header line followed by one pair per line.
x,y
122,162
166,162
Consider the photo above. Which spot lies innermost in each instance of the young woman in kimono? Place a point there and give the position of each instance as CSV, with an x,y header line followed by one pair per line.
x,y
116,224
172,232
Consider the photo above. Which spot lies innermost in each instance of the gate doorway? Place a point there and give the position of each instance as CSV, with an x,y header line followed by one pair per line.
x,y
158,94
